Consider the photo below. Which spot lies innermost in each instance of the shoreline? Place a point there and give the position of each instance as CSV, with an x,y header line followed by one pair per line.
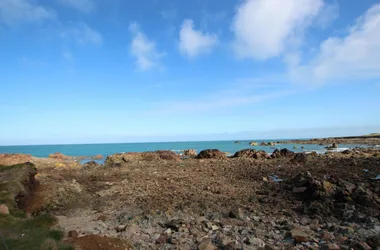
x,y
156,200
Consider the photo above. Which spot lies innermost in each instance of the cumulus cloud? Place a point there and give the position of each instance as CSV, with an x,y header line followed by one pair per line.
x,y
81,5
82,34
264,29
356,55
144,50
13,12
193,42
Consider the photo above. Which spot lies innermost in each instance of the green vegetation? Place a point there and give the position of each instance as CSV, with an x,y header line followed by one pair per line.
x,y
20,232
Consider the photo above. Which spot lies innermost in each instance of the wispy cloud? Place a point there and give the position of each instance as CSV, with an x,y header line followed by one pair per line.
x,y
240,93
193,42
81,5
144,50
82,34
13,12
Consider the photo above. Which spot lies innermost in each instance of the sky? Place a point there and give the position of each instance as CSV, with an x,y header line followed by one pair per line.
x,y
86,71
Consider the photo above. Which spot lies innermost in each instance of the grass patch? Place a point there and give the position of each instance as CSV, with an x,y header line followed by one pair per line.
x,y
32,234
20,232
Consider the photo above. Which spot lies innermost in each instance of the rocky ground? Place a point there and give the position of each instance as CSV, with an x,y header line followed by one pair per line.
x,y
249,201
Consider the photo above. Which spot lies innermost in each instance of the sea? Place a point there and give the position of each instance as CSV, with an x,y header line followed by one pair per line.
x,y
230,147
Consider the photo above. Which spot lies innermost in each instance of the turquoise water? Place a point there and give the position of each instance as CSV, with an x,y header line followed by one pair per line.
x,y
108,149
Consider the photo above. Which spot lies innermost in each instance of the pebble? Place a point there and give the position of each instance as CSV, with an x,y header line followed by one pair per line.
x,y
4,209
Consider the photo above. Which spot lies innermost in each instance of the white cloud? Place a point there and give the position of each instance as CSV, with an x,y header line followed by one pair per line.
x,y
354,56
264,29
13,12
81,5
144,50
192,42
82,34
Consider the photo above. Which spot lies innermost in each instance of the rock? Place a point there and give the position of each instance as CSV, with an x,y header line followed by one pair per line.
x,y
121,228
329,247
162,239
4,209
211,154
237,213
237,142
133,229
190,152
119,160
333,146
12,159
253,143
97,157
245,153
299,236
91,164
256,242
360,245
58,156
73,234
282,153
373,241
206,245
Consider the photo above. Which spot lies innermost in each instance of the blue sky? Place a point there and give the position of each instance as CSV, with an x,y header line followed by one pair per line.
x,y
76,71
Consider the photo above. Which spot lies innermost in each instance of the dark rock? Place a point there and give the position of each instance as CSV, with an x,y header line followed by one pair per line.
x,y
282,153
211,154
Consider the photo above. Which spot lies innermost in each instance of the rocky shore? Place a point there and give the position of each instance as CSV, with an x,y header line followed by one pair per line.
x,y
363,140
251,200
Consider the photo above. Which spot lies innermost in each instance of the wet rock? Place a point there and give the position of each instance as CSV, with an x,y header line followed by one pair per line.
x,y
211,154
4,209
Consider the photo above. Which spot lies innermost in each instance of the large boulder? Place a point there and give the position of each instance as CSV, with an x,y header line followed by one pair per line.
x,y
211,154
282,153
251,153
245,153
253,143
118,160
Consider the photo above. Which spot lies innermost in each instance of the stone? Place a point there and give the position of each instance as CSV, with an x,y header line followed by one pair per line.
x,y
73,234
359,245
297,190
237,213
329,247
206,245
190,152
133,229
253,143
373,241
120,228
162,239
4,209
256,242
299,236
